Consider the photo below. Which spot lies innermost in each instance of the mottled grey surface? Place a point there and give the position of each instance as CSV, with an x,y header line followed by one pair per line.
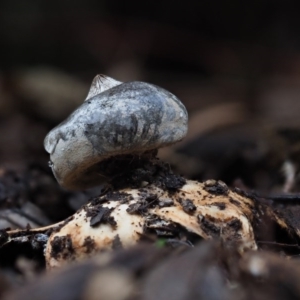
x,y
132,117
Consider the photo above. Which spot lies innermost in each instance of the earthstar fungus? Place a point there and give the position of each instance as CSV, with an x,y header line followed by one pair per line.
x,y
121,122
113,138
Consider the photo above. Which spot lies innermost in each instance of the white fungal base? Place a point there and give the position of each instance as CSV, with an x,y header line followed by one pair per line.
x,y
207,209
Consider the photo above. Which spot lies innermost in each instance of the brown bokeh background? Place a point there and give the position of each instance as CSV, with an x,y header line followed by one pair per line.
x,y
234,64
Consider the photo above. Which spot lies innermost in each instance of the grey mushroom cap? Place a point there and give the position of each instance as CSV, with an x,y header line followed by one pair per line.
x,y
123,118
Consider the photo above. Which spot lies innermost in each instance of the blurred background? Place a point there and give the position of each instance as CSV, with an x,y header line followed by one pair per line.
x,y
234,64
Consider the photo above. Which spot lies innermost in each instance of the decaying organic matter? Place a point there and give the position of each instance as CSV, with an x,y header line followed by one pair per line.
x,y
168,208
209,271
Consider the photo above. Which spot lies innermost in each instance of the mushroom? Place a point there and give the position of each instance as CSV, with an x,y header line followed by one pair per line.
x,y
117,123
113,137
